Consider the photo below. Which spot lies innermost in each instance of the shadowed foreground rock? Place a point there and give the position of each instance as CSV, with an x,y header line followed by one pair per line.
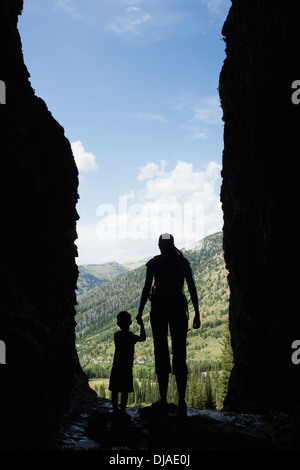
x,y
94,428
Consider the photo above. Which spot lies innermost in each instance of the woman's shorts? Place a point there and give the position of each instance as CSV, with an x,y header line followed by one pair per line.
x,y
171,315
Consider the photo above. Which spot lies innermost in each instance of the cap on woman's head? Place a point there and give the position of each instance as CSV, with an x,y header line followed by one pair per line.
x,y
167,236
166,242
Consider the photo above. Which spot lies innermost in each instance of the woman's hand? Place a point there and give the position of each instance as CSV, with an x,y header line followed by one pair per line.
x,y
196,321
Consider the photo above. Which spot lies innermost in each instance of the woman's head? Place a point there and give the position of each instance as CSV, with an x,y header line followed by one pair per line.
x,y
166,244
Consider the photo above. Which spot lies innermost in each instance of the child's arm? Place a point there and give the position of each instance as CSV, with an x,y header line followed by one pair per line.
x,y
142,336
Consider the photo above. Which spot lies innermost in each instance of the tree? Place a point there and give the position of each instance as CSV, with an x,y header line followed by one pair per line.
x,y
137,392
193,390
226,363
198,394
102,390
207,398
148,394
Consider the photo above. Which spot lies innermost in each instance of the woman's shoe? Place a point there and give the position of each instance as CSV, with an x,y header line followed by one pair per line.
x,y
160,407
181,409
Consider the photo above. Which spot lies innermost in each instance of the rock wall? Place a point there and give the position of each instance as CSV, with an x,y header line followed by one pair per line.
x,y
260,202
38,272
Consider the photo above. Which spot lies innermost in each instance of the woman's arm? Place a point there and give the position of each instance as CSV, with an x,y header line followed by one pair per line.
x,y
194,297
145,295
142,336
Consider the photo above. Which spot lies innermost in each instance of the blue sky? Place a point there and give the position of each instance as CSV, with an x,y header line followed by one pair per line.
x,y
134,84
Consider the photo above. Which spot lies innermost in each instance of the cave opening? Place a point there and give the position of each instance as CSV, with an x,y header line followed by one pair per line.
x,y
259,196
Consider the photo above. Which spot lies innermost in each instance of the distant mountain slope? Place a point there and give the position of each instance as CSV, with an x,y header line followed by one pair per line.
x,y
93,275
135,264
97,309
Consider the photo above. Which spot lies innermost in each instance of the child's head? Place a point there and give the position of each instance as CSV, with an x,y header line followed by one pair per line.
x,y
124,320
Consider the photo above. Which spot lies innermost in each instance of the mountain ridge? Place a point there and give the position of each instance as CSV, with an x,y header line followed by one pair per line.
x,y
92,275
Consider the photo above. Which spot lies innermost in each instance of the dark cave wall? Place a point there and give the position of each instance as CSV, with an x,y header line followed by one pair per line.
x,y
38,272
260,202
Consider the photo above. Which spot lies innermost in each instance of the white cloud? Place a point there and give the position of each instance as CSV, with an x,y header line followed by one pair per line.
x,y
182,185
130,9
151,170
208,110
85,161
215,7
140,116
213,170
67,6
152,19
183,201
202,113
149,117
195,132
131,22
94,250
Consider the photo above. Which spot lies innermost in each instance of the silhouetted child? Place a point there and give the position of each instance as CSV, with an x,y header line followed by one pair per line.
x,y
121,374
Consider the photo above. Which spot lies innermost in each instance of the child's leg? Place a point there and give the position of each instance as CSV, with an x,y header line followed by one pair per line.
x,y
124,398
114,399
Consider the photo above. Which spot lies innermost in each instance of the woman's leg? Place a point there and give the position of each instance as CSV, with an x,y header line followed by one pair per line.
x,y
178,329
163,382
181,381
159,324
124,398
114,400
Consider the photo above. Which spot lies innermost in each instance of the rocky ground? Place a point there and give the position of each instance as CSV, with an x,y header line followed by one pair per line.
x,y
92,427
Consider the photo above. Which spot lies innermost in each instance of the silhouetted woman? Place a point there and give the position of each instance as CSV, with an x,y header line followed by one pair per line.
x,y
169,308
